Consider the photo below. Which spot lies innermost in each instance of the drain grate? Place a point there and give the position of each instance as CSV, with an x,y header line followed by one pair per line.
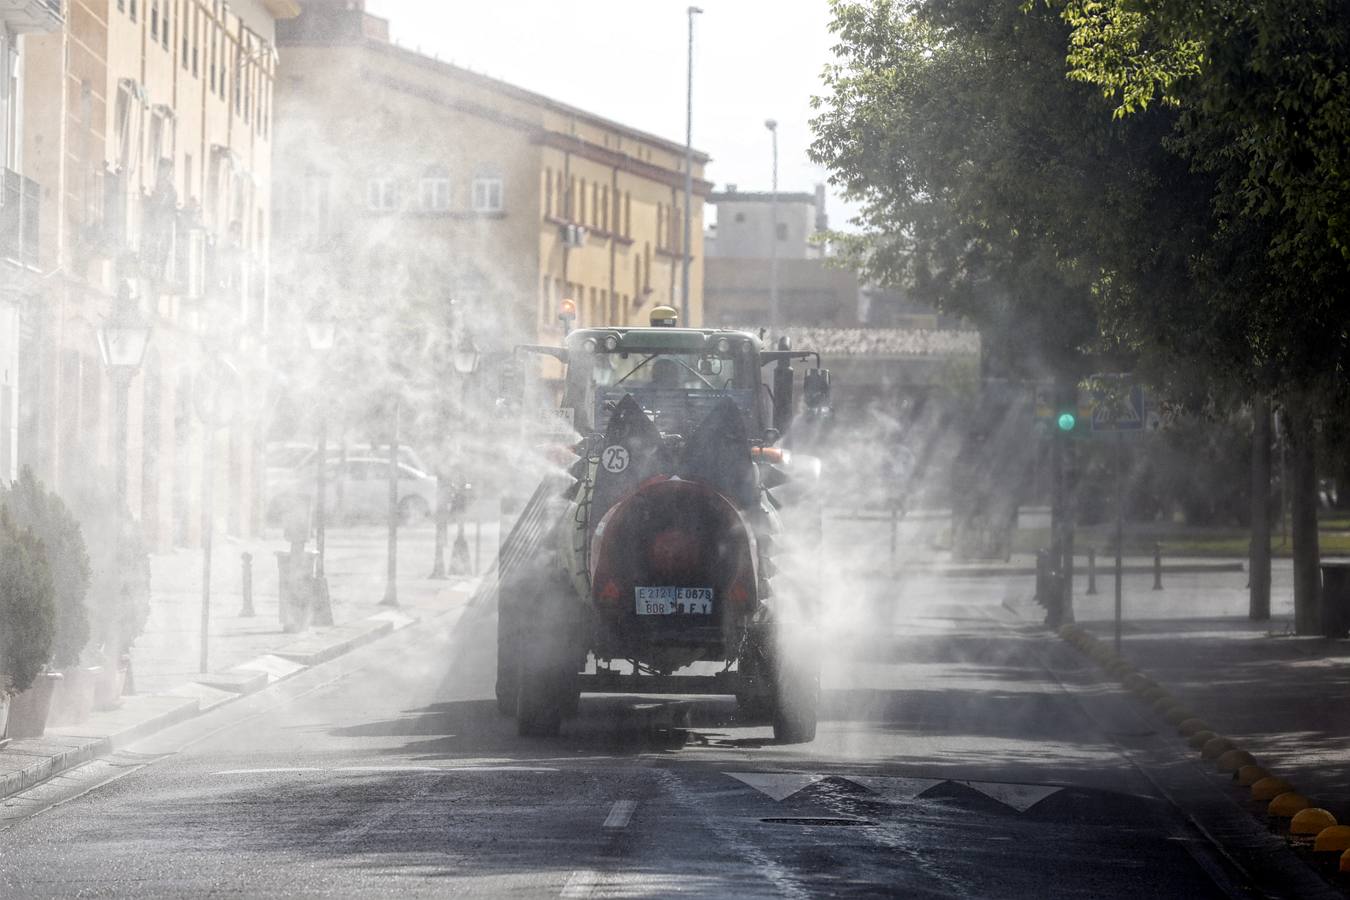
x,y
815,820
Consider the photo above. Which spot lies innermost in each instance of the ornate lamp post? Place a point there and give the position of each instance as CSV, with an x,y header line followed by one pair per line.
x,y
216,401
464,359
321,334
122,341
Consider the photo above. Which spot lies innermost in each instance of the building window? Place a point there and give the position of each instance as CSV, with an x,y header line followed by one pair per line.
x,y
627,214
548,193
121,6
740,217
166,36
487,195
382,194
782,231
133,10
581,203
604,209
185,49
562,197
434,190
196,38
595,205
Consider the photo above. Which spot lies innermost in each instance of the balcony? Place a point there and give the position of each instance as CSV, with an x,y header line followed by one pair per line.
x,y
20,203
31,15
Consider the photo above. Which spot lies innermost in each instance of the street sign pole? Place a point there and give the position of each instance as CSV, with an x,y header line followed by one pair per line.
x,y
1120,526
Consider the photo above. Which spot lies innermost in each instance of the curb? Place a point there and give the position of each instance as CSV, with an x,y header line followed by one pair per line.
x,y
1273,801
185,702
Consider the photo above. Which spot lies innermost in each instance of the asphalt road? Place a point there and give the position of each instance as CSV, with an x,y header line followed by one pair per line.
x,y
961,754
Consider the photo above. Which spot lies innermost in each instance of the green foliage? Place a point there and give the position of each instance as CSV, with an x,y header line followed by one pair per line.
x,y
119,604
998,189
32,507
1263,93
27,607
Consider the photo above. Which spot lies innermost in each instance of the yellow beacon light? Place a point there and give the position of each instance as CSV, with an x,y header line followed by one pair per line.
x,y
665,317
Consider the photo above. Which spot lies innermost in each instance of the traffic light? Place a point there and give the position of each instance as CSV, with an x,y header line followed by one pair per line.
x,y
1067,420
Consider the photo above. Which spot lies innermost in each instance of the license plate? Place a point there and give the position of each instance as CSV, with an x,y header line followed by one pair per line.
x,y
674,601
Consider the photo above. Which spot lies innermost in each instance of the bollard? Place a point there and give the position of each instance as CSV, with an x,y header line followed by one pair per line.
x,y
1157,567
1092,570
246,584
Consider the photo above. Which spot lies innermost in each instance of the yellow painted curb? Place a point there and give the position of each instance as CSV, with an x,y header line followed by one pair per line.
x,y
1200,739
1191,726
1216,747
1335,839
1250,775
1178,714
1233,760
1311,821
1269,788
1285,805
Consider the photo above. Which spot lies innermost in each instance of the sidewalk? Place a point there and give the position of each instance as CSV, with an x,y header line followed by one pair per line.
x,y
1280,697
245,654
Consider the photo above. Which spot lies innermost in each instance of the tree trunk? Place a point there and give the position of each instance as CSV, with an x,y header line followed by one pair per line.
x,y
1258,609
1303,515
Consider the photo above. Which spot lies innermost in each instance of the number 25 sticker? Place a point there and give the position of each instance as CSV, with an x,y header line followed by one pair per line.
x,y
615,458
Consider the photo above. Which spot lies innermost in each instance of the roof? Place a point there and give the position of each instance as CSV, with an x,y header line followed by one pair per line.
x,y
885,342
761,197
459,72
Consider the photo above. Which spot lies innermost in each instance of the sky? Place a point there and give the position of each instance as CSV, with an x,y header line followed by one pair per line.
x,y
625,60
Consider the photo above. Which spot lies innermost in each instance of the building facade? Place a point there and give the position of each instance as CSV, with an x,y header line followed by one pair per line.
x,y
148,125
20,209
404,180
745,227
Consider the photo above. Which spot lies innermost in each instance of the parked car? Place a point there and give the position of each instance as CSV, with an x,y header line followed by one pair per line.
x,y
357,490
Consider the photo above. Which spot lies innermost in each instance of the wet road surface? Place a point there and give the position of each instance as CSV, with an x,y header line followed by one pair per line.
x,y
961,753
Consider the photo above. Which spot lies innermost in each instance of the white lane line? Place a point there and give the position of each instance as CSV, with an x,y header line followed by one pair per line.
x,y
384,769
620,813
581,883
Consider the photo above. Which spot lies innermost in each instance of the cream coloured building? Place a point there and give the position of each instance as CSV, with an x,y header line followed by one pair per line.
x,y
401,173
148,126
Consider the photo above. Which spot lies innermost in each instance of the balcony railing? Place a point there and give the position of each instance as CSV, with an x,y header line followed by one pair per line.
x,y
20,204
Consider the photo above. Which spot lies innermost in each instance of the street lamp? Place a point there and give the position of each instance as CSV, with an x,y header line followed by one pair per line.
x,y
772,125
688,173
216,401
321,334
464,359
122,341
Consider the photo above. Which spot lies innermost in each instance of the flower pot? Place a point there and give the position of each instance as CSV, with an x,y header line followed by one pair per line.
x,y
74,697
28,711
108,687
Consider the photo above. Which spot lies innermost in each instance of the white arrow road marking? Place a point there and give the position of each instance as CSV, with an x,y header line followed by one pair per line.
x,y
275,666
1020,797
893,788
778,785
620,813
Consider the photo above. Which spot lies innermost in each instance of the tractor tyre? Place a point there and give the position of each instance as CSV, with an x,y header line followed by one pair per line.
x,y
796,696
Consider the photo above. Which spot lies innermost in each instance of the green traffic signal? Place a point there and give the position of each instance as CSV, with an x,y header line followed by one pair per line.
x,y
1067,421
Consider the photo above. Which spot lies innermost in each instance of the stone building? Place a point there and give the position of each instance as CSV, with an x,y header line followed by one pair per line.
x,y
404,178
148,126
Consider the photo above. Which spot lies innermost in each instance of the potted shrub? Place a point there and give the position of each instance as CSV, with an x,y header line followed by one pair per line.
x,y
27,626
119,593
32,507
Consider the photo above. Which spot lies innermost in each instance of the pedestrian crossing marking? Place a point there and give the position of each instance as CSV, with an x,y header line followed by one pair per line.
x,y
777,785
1020,797
781,785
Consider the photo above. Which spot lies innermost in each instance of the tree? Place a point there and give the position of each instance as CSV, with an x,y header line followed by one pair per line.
x,y
1262,93
996,188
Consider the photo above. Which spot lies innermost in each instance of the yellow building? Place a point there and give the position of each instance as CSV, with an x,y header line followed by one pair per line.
x,y
148,127
401,173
